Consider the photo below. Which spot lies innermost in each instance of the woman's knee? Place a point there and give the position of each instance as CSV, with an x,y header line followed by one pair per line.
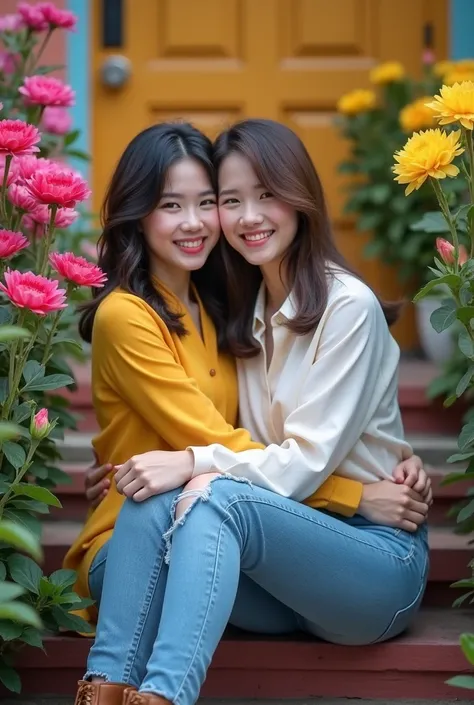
x,y
153,509
195,488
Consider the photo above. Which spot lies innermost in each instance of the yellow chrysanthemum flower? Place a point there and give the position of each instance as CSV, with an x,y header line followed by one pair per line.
x,y
456,76
441,68
388,72
427,154
455,104
417,116
357,101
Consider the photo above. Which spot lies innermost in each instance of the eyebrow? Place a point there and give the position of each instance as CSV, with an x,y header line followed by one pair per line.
x,y
229,191
169,194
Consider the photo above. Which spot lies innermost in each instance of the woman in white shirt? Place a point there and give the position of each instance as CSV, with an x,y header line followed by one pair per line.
x,y
318,378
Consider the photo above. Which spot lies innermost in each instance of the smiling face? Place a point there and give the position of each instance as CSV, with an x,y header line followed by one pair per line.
x,y
184,227
255,223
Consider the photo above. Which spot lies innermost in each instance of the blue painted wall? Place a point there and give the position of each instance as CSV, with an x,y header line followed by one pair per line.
x,y
77,57
461,29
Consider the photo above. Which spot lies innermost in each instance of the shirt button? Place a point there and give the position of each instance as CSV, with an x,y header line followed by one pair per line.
x,y
212,372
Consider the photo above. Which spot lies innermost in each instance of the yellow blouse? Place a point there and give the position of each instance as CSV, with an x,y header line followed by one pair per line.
x,y
153,390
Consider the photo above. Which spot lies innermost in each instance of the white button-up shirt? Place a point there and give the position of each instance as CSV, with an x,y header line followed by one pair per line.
x,y
327,404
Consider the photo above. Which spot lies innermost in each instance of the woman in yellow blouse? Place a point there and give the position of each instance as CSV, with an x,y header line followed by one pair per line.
x,y
162,378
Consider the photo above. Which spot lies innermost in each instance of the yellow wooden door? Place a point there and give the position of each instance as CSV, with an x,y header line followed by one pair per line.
x,y
214,61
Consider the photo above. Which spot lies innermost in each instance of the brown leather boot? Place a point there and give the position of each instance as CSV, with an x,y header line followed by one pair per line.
x,y
101,693
131,697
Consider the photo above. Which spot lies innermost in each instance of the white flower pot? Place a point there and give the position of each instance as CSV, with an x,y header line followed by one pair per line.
x,y
438,347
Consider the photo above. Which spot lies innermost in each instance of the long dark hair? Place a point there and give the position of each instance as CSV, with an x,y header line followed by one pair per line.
x,y
133,192
283,165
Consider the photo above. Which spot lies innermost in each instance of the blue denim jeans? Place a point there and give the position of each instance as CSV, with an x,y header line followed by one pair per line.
x,y
243,555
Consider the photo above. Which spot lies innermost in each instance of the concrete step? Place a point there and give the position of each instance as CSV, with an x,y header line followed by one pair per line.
x,y
248,667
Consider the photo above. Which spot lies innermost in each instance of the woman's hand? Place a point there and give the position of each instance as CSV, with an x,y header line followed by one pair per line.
x,y
412,474
97,484
392,504
153,473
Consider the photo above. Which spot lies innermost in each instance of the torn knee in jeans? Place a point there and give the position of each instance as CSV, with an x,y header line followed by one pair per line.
x,y
197,489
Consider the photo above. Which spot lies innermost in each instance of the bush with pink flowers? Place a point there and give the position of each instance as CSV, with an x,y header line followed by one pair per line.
x,y
42,271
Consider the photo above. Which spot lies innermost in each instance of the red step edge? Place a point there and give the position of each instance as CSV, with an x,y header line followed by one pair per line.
x,y
412,666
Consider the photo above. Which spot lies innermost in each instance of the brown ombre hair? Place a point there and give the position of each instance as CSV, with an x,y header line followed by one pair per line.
x,y
283,166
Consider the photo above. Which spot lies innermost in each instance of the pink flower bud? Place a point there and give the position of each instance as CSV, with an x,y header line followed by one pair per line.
x,y
40,427
446,251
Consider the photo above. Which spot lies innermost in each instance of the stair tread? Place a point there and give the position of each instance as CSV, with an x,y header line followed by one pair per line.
x,y
432,627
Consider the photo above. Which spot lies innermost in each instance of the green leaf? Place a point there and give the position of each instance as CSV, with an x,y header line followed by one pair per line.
x,y
462,599
68,343
25,572
32,637
466,512
454,477
71,621
49,382
22,412
465,314
3,571
451,280
465,381
432,222
5,315
33,371
459,457
10,678
46,588
41,494
8,430
10,591
8,333
443,318
464,583
466,437
14,453
466,344
68,598
78,154
449,401
10,630
24,519
467,646
63,578
19,612
71,137
462,682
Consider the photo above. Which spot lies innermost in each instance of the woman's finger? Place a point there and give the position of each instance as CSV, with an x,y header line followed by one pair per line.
x,y
95,503
130,488
96,490
94,475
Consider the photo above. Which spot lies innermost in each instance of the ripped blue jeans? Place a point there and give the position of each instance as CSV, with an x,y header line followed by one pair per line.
x,y
243,555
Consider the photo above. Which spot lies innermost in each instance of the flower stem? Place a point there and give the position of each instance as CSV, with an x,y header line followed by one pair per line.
x,y
8,161
470,180
443,204
40,50
48,240
19,475
49,339
18,371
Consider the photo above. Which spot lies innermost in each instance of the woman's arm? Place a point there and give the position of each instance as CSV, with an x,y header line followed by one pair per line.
x,y
339,398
